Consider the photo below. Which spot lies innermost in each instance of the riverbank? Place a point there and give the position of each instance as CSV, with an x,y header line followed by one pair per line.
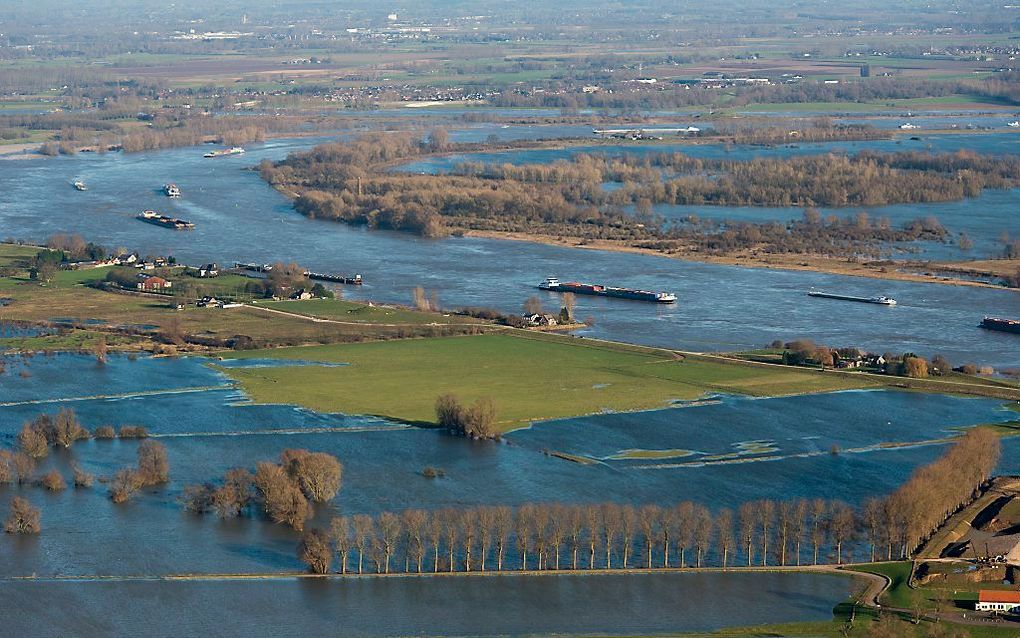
x,y
812,263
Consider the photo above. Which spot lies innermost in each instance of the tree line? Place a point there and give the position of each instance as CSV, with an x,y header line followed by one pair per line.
x,y
553,536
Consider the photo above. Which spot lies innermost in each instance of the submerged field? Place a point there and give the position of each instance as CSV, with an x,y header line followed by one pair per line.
x,y
529,378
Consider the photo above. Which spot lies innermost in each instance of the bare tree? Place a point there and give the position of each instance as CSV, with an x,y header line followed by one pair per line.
x,y
724,523
684,535
559,527
797,525
124,485
434,531
592,516
819,510
766,511
524,523
569,302
389,532
316,551
667,531
467,519
340,534
318,474
451,530
283,500
575,519
153,466
23,518
486,532
414,526
747,518
648,518
503,524
703,529
67,429
364,532
609,520
32,441
99,349
532,306
842,524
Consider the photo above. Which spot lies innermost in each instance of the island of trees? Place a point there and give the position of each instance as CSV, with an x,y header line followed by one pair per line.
x,y
357,183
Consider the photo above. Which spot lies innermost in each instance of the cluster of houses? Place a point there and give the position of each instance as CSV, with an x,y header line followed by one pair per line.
x,y
863,360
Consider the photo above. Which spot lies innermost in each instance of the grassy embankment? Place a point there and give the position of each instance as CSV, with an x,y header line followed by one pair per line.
x,y
68,296
530,377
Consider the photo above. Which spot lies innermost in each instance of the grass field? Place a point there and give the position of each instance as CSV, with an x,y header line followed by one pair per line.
x,y
529,378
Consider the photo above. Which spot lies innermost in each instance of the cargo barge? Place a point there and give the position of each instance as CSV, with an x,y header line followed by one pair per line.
x,y
1002,325
340,279
555,285
881,300
152,217
237,150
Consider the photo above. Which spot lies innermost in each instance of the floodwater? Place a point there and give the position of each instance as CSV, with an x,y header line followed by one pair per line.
x,y
458,606
239,217
739,449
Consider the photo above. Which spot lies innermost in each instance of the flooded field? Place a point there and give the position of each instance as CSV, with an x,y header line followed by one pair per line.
x,y
458,606
721,452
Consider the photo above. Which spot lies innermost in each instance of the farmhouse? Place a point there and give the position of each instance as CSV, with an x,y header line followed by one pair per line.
x,y
1003,602
154,283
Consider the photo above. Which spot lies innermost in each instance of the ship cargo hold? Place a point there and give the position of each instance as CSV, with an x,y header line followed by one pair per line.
x,y
555,285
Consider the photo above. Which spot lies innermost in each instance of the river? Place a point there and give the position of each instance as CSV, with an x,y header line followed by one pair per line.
x,y
239,217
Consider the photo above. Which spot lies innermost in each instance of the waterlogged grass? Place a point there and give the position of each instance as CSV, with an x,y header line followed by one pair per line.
x,y
530,379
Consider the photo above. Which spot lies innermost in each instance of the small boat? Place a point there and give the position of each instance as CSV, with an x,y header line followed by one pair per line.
x,y
908,126
235,150
1014,124
79,185
171,190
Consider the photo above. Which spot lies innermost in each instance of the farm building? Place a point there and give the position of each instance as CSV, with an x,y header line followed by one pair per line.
x,y
1003,602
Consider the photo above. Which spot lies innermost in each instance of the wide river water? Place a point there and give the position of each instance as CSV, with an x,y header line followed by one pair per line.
x,y
239,217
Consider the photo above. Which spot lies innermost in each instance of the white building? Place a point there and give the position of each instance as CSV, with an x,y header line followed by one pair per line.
x,y
998,601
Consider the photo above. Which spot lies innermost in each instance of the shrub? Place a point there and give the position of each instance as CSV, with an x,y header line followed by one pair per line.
x,y
82,478
133,432
105,432
54,482
124,485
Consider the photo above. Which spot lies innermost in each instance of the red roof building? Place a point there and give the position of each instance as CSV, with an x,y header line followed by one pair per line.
x,y
154,283
998,600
